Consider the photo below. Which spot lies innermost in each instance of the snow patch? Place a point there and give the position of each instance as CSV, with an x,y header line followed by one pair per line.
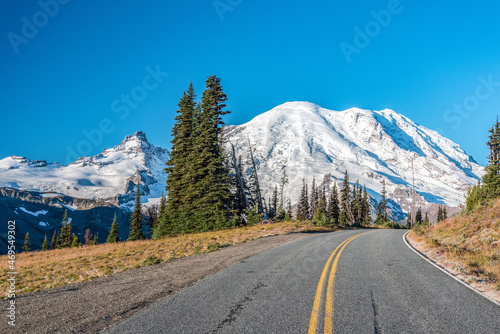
x,y
41,212
69,207
50,195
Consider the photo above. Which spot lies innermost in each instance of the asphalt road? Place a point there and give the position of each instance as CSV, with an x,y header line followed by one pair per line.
x,y
373,283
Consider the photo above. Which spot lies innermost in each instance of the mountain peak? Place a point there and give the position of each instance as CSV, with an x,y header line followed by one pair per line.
x,y
303,104
139,137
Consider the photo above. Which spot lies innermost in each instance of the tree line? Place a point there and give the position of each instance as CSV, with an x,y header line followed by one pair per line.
x,y
489,188
342,207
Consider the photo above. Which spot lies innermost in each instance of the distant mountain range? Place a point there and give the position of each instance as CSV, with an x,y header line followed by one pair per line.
x,y
109,176
307,140
92,189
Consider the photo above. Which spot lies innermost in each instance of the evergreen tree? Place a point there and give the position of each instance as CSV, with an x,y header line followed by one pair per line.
x,y
426,219
320,216
65,237
366,208
408,221
53,243
162,210
164,225
208,191
44,245
492,177
440,214
240,200
381,208
27,244
490,187
354,203
178,204
357,204
314,198
96,239
136,218
163,206
333,207
76,242
113,233
418,216
445,214
346,217
307,205
301,216
323,203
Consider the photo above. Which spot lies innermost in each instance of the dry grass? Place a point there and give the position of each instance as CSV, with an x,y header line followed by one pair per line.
x,y
472,240
45,270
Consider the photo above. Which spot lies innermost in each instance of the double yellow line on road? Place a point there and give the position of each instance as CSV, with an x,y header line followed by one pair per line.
x,y
328,328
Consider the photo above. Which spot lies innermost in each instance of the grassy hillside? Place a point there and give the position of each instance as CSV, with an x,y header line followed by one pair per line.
x,y
48,269
472,240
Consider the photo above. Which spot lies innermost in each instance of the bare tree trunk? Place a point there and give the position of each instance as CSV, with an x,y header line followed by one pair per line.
x,y
238,177
260,207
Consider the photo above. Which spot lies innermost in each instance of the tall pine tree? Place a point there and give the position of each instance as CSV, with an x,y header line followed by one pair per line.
x,y
179,203
209,189
314,197
45,245
320,216
53,243
418,216
300,212
491,180
27,243
367,218
65,237
113,232
136,218
333,207
346,217
440,214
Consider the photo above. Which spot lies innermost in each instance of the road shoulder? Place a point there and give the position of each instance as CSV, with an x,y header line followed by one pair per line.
x,y
453,269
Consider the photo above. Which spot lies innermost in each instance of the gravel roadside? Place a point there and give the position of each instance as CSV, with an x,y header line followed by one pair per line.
x,y
91,306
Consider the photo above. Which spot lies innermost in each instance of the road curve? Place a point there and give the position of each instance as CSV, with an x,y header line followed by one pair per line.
x,y
373,284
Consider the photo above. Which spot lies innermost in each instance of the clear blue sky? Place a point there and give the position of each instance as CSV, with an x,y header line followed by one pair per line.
x,y
64,77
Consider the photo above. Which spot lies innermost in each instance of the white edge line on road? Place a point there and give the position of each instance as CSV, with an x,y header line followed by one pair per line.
x,y
447,272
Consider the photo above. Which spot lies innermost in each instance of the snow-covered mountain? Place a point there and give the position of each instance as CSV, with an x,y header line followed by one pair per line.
x,y
371,145
108,176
